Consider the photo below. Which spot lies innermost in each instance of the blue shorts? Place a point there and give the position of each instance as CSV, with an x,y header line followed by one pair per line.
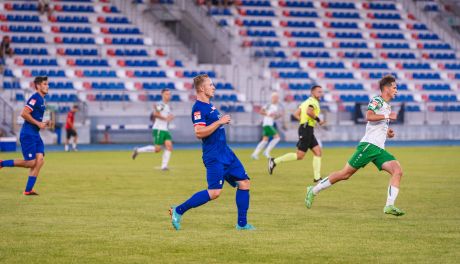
x,y
31,145
217,172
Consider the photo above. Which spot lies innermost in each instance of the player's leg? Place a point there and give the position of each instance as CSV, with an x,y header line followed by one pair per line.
x,y
317,153
273,142
28,148
148,148
388,163
166,154
236,176
75,140
33,174
67,139
260,147
215,178
302,147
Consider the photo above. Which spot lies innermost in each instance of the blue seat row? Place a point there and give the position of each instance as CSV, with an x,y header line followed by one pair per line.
x,y
403,55
150,74
232,108
412,108
24,39
387,26
25,7
99,73
77,8
116,20
61,85
257,23
268,43
269,54
226,97
11,85
354,98
353,45
112,97
450,108
261,33
108,86
442,98
311,14
329,65
72,19
300,97
22,18
403,87
299,86
49,73
134,52
219,12
224,86
416,66
284,64
393,16
382,6
443,56
419,27
404,98
293,75
395,46
40,62
341,5
129,41
353,25
192,74
255,3
159,86
358,55
28,29
426,76
303,24
428,36
75,30
452,66
64,98
379,75
300,4
314,54
92,62
133,31
74,40
339,75
348,86
390,36
436,46
436,87
305,34
263,13
309,44
80,52
345,15
141,63
348,35
30,51
373,65
20,97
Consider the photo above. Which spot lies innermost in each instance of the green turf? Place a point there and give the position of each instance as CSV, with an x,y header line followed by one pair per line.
x,y
102,207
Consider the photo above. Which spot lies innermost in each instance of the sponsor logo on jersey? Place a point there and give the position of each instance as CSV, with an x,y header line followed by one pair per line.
x,y
32,101
213,108
196,115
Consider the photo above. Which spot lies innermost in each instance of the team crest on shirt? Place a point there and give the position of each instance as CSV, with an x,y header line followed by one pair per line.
x,y
196,115
32,102
213,108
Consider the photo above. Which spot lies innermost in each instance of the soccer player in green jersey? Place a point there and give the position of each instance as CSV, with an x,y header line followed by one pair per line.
x,y
270,112
372,149
308,116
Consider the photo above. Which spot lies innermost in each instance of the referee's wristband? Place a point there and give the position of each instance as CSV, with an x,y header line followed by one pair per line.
x,y
317,119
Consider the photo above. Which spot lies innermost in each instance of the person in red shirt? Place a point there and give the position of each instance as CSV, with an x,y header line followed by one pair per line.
x,y
70,129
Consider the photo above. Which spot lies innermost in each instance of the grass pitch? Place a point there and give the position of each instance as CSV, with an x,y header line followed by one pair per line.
x,y
102,207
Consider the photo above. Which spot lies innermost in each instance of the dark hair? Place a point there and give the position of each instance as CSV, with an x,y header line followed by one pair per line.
x,y
314,87
386,80
40,79
164,90
75,107
198,80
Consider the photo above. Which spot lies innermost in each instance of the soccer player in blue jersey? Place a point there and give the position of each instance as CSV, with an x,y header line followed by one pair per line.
x,y
32,146
220,161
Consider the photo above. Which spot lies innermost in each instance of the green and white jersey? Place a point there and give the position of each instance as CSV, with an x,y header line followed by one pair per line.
x,y
164,110
376,132
270,109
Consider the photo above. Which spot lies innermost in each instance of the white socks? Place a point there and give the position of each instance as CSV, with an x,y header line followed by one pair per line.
x,y
392,194
66,147
324,184
271,146
259,148
149,148
166,157
74,146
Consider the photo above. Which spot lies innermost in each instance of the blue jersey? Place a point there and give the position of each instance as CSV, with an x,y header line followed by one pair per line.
x,y
215,145
36,104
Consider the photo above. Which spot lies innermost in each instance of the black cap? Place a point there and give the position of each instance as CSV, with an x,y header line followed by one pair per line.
x,y
40,79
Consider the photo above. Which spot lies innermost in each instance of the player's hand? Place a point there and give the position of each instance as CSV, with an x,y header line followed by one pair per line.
x,y
169,118
224,120
322,123
390,133
42,125
393,116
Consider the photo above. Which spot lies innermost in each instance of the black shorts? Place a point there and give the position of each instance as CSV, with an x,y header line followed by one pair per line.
x,y
307,139
71,133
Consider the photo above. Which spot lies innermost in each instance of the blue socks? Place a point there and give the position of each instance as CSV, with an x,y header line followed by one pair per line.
x,y
196,200
242,202
7,163
30,183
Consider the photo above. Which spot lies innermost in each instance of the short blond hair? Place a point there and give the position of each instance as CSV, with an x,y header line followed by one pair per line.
x,y
199,80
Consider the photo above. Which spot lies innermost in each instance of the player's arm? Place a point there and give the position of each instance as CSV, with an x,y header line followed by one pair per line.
x,y
390,133
373,117
205,131
26,114
297,114
158,115
311,114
